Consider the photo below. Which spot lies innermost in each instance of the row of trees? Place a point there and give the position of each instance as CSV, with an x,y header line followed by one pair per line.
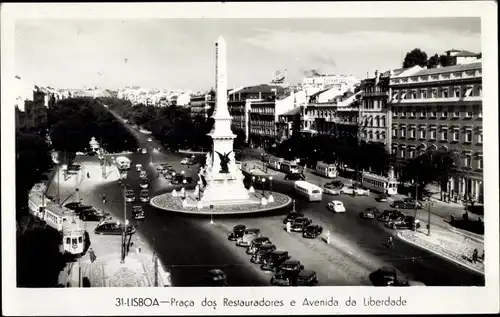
x,y
420,58
73,122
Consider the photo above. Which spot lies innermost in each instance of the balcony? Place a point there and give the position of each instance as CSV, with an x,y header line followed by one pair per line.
x,y
437,100
376,94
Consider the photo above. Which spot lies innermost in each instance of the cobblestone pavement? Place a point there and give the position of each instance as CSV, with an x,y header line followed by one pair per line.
x,y
447,244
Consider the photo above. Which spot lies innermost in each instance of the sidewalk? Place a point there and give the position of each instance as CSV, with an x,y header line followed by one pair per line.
x,y
454,247
107,271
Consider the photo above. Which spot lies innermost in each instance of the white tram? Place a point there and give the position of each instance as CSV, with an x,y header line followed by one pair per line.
x,y
289,167
275,163
60,218
327,170
379,183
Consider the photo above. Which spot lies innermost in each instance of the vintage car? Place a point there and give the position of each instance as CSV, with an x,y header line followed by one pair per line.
x,y
299,224
369,213
306,278
130,196
138,213
256,243
390,215
215,277
248,237
274,259
286,273
292,216
384,276
406,222
144,196
138,167
93,214
382,197
330,189
262,252
312,231
336,206
238,232
407,203
295,176
112,227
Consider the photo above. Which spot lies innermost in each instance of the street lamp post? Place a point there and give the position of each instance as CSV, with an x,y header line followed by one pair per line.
x,y
184,182
124,238
199,190
263,180
416,202
293,205
270,183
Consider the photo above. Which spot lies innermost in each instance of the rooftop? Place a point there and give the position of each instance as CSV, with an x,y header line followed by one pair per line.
x,y
449,69
292,112
263,88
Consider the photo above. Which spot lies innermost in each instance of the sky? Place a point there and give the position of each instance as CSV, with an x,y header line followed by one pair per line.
x,y
179,53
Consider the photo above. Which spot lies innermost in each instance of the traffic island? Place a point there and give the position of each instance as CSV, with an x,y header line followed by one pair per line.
x,y
448,245
188,204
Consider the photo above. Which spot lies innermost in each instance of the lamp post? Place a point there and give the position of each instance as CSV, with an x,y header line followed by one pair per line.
x,y
416,203
199,190
270,183
184,182
293,205
124,238
263,180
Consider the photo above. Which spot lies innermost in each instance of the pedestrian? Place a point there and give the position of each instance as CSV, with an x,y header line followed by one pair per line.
x,y
288,226
88,175
482,256
391,243
475,254
104,199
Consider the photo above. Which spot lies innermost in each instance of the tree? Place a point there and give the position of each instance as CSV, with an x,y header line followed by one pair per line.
x,y
446,60
433,61
415,57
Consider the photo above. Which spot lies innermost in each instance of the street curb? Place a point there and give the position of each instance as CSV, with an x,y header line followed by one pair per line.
x,y
220,213
470,235
191,152
399,235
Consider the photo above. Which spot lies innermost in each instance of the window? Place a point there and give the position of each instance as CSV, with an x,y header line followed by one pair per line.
x,y
370,135
456,114
377,135
422,134
423,93
414,94
395,95
413,114
480,111
467,161
480,91
468,91
403,132
480,163
382,124
445,92
457,92
468,136
395,112
403,114
433,134
411,153
480,138
456,135
394,132
403,95
412,133
423,114
402,153
444,135
444,114
433,114
468,114
434,93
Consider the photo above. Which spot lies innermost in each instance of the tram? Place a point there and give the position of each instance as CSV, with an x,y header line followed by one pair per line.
x,y
275,163
62,219
380,183
327,170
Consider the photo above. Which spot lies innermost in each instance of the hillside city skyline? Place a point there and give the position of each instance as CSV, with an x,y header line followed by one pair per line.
x,y
164,53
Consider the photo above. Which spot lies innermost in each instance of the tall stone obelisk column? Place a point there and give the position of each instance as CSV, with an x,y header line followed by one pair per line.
x,y
222,187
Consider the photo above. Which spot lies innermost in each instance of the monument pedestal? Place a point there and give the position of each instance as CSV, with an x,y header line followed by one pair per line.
x,y
225,189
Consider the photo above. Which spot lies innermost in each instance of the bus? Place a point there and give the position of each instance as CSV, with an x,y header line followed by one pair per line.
x,y
310,191
289,167
327,170
380,183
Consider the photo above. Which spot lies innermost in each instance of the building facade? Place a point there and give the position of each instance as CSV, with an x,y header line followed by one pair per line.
x,y
441,108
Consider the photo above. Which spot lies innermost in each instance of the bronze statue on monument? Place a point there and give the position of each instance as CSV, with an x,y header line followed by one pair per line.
x,y
224,162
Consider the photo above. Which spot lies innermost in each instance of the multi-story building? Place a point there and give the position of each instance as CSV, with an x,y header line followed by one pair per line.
x,y
313,84
31,103
255,111
201,104
441,108
373,107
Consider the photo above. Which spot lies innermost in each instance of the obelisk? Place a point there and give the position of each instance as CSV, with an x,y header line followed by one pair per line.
x,y
222,187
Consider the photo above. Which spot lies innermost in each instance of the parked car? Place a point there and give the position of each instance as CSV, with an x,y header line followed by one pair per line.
x,y
286,273
336,184
144,151
144,183
77,206
256,243
382,197
405,222
238,232
215,277
112,227
336,206
159,167
331,189
351,190
274,259
292,216
299,224
177,179
143,175
248,236
384,276
138,213
306,278
189,180
390,215
369,213
407,203
138,167
185,161
312,231
262,252
130,196
144,196
295,176
150,139
93,214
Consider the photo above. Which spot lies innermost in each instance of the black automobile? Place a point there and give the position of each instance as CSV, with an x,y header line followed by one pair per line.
x,y
93,214
144,196
312,231
292,216
189,180
382,197
286,273
306,278
274,259
144,183
407,203
299,224
177,179
216,277
335,184
385,276
110,227
130,196
256,243
369,213
406,222
262,252
138,213
390,215
295,176
238,231
77,206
